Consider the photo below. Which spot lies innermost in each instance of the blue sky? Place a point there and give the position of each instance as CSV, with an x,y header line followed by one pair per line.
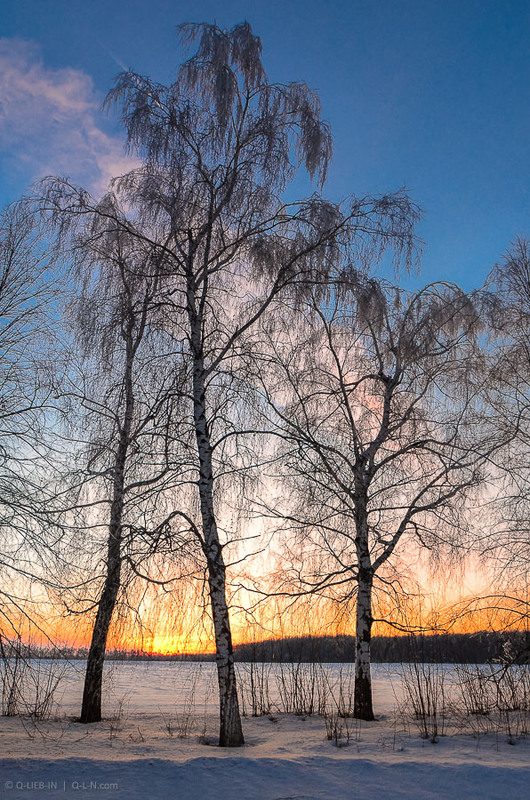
x,y
428,94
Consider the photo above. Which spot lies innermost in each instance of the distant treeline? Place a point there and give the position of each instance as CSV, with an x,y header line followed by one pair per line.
x,y
447,648
450,648
18,650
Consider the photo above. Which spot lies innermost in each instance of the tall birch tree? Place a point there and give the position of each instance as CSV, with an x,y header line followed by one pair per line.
x,y
378,399
114,386
218,150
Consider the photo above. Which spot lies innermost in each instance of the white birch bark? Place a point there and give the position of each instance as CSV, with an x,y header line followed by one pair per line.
x,y
362,701
231,731
91,704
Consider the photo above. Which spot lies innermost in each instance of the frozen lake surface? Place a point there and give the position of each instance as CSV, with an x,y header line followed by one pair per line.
x,y
145,687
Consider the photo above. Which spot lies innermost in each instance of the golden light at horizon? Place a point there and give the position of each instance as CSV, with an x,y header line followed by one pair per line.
x,y
170,633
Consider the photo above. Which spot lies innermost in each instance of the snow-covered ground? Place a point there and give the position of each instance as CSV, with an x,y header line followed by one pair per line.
x,y
157,742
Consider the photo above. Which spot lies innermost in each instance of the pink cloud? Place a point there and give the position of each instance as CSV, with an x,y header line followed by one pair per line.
x,y
51,123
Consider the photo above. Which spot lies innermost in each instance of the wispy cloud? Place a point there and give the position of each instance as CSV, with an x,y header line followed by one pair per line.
x,y
50,121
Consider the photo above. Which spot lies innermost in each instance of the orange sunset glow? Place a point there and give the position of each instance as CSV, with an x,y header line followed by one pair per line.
x,y
168,628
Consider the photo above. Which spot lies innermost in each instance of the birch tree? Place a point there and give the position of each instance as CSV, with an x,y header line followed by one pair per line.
x,y
217,151
377,396
116,389
219,147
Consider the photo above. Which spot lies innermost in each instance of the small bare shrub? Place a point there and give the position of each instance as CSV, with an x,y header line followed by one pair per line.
x,y
186,716
28,685
337,729
254,678
184,720
494,697
512,687
339,691
12,667
118,717
474,699
301,688
424,686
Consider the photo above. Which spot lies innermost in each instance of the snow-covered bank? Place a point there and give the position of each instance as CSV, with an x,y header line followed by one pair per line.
x,y
244,778
158,741
285,757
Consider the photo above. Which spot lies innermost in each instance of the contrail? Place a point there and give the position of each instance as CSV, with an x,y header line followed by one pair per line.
x,y
115,58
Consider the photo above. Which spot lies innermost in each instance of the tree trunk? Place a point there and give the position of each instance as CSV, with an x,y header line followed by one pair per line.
x,y
362,701
230,728
91,708
231,731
